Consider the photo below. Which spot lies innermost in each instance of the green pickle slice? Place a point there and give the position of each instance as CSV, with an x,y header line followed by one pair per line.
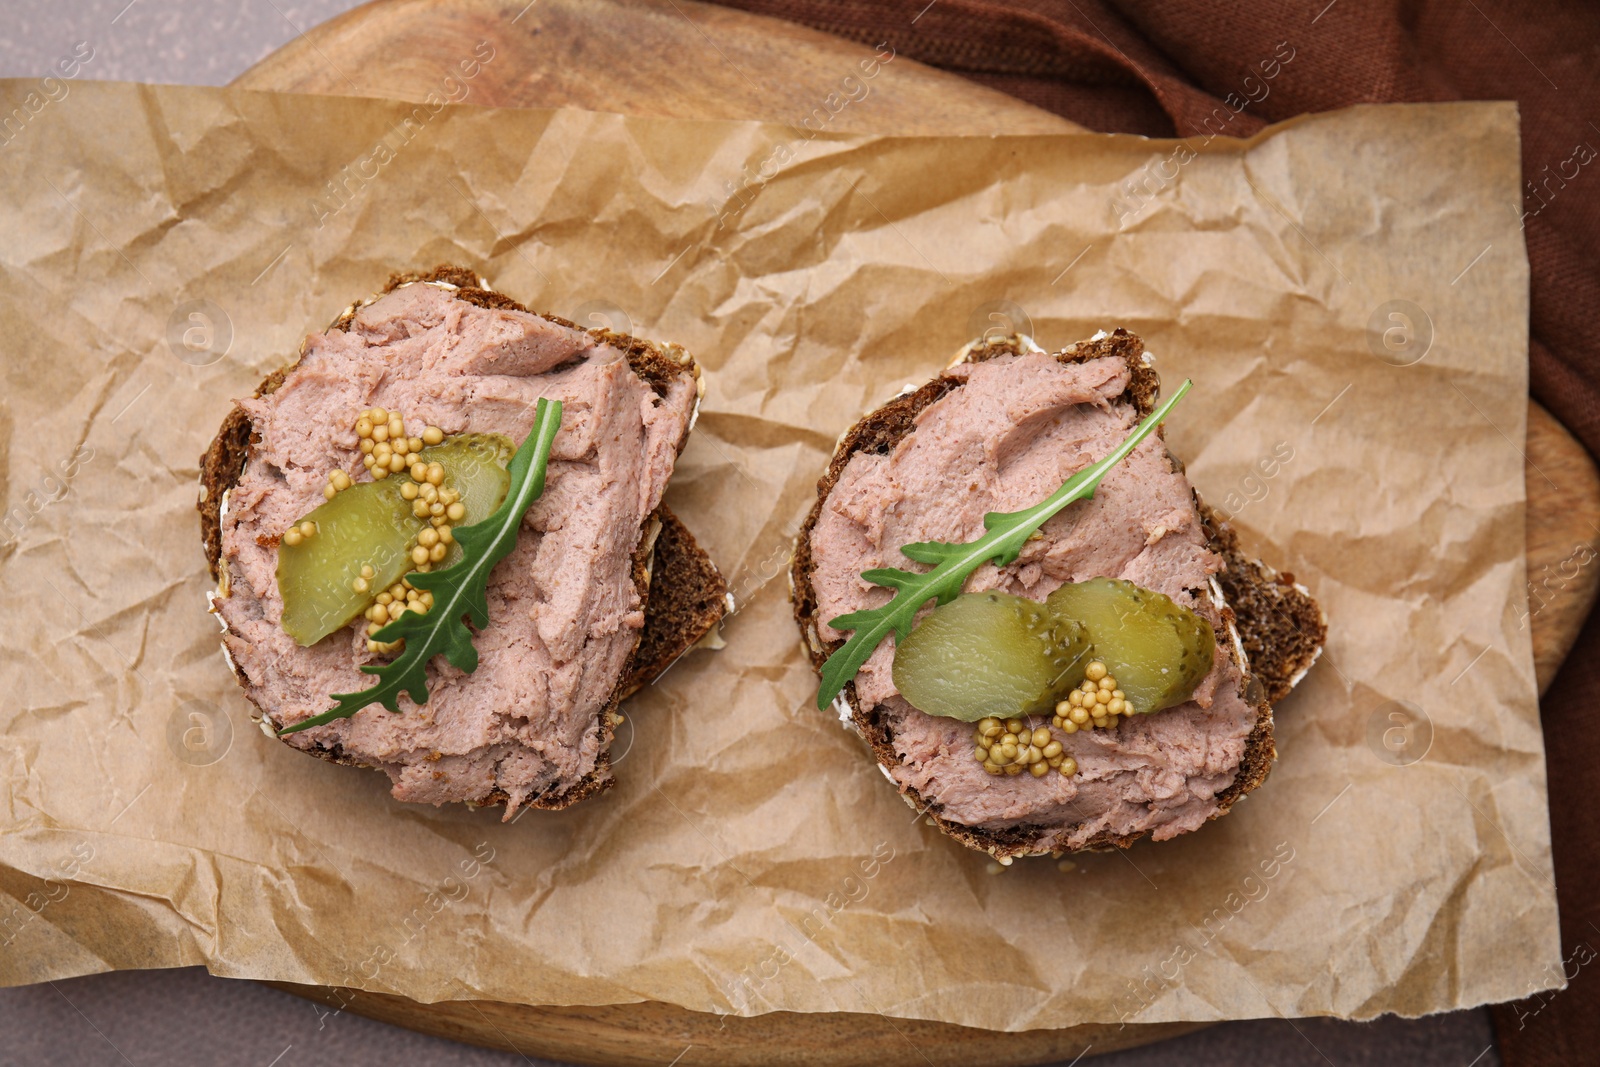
x,y
370,523
990,653
474,466
1158,650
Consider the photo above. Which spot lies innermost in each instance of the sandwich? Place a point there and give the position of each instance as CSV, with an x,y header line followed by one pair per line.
x,y
442,456
1091,658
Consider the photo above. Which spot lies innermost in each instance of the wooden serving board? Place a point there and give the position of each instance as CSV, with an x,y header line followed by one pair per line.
x,y
682,59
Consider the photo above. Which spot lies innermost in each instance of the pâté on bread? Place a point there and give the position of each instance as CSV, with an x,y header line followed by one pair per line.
x,y
995,433
600,587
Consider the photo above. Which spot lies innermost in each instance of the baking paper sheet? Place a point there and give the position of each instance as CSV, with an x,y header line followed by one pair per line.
x,y
1348,291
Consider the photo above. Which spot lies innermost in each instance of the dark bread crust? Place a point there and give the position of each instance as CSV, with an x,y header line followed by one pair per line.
x,y
687,598
1281,627
682,589
881,430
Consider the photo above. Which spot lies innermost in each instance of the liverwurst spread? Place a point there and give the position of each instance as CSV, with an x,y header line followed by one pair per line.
x,y
1018,428
564,614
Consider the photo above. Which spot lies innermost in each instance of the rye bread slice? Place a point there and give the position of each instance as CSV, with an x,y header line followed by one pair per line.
x,y
1280,628
683,592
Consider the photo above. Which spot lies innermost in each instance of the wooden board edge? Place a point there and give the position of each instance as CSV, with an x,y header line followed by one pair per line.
x,y
640,1035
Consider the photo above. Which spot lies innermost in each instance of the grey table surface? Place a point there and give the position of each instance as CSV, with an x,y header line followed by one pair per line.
x,y
187,1017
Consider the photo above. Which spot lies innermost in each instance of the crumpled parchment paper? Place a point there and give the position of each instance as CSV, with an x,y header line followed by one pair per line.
x,y
1349,292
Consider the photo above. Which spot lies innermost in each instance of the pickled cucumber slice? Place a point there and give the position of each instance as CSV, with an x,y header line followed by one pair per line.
x,y
371,524
475,466
368,523
990,654
1159,651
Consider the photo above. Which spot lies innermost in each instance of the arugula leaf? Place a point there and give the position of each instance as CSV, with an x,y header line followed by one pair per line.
x,y
459,589
954,563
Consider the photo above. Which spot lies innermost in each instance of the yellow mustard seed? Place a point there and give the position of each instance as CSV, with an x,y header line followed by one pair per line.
x,y
360,585
1095,671
379,471
419,555
291,536
378,415
329,492
446,536
436,554
1041,737
363,427
408,490
380,433
419,472
456,512
1069,766
1039,770
428,537
367,571
414,445
432,435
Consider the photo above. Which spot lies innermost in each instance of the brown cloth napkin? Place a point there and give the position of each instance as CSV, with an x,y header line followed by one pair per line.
x,y
1161,67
